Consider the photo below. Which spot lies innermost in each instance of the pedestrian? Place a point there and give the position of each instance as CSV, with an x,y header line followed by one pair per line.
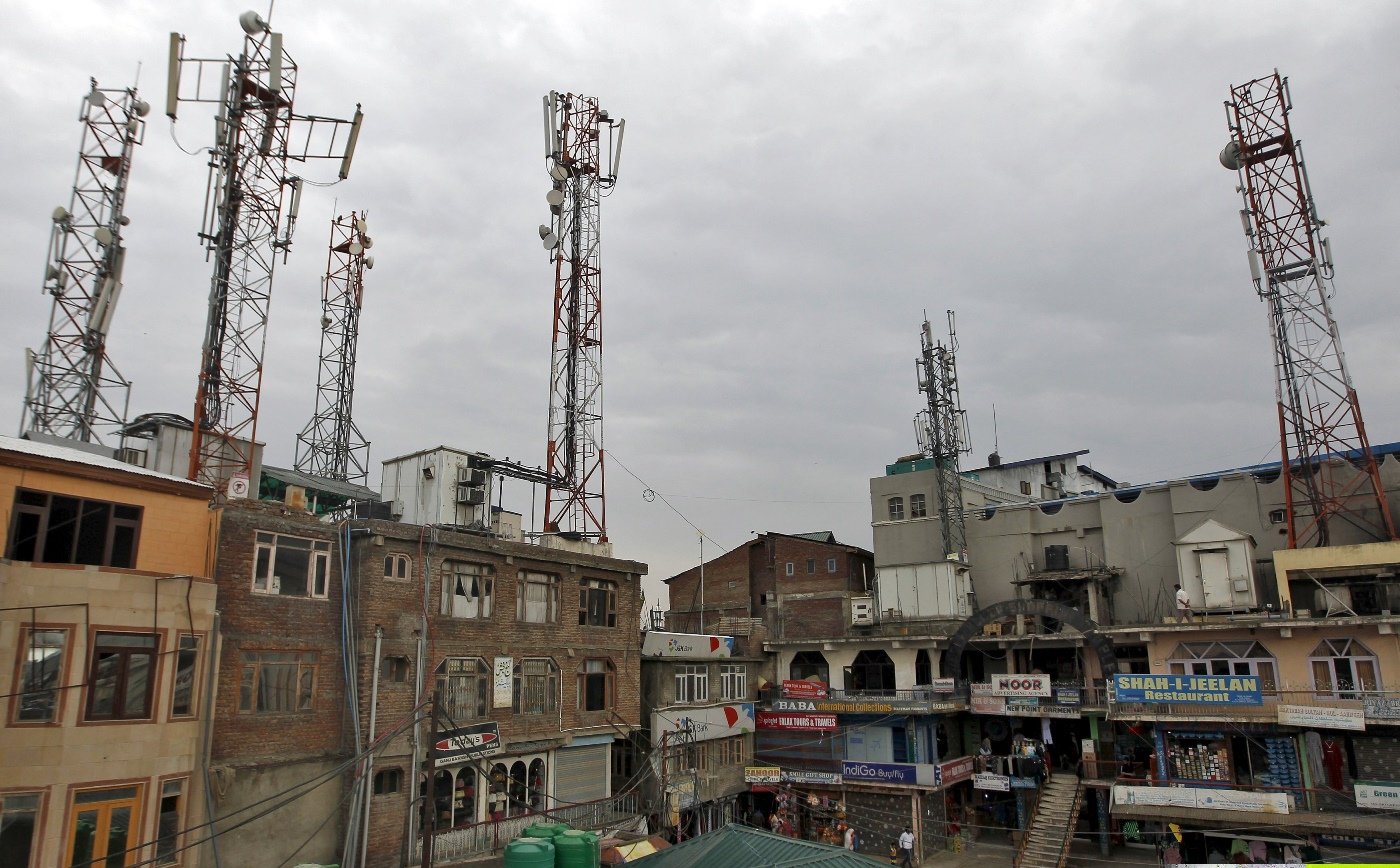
x,y
906,848
984,754
848,836
1183,606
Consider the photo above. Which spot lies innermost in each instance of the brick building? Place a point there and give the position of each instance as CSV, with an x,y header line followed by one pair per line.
x,y
106,620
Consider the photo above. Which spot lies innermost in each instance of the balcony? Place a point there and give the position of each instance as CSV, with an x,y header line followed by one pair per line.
x,y
491,836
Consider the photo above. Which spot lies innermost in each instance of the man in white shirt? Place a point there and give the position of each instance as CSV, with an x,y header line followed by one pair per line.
x,y
906,848
1183,606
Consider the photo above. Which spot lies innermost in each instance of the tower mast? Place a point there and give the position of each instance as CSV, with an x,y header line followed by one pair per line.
x,y
331,445
248,222
72,388
942,431
1332,476
583,167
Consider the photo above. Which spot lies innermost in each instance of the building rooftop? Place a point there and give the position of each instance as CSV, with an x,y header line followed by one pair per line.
x,y
736,845
73,455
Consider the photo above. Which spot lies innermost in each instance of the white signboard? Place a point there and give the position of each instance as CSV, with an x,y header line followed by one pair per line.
x,y
1021,685
1322,716
1373,795
996,783
503,673
1239,800
1175,797
686,645
720,721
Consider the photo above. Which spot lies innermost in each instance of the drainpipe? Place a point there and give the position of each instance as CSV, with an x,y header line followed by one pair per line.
x,y
367,783
413,803
207,730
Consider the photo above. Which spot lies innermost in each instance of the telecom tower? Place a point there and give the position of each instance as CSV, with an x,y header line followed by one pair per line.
x,y
72,387
1332,473
582,168
942,432
244,230
331,445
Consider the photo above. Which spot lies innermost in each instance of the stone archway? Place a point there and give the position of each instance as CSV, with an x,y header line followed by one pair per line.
x,y
951,664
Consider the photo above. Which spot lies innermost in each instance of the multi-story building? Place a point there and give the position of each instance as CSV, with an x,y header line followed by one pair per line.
x,y
699,698
107,623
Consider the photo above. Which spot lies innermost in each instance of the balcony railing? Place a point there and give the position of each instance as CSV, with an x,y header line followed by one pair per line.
x,y
1375,705
492,835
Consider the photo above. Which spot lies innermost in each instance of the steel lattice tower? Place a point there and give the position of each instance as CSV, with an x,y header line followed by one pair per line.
x,y
1332,473
582,167
942,432
331,445
72,387
245,229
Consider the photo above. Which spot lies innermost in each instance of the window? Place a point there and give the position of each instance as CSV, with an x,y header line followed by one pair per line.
x,y
18,813
387,781
55,529
1344,669
172,806
291,566
896,509
41,674
1025,488
537,598
393,669
119,683
103,825
468,590
398,568
733,585
463,683
276,682
186,675
831,565
917,506
811,566
787,569
597,603
808,664
536,688
871,671
595,685
733,681
692,682
1225,658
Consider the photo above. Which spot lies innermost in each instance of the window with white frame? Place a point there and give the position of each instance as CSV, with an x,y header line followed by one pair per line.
x,y
1226,658
398,568
537,598
917,506
733,681
468,590
831,565
896,505
692,682
787,568
169,822
1344,669
291,566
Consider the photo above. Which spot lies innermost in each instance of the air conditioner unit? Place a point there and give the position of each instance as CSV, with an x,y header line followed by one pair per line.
x,y
470,495
1336,598
471,476
862,611
133,456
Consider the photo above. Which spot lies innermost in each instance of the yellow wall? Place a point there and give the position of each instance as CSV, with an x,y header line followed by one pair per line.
x,y
1301,561
176,530
1290,652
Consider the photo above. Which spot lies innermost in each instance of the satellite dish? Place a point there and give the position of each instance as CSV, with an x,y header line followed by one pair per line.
x,y
369,262
554,197
103,235
124,220
52,273
559,171
544,230
551,241
1230,157
325,323
361,226
367,241
132,125
95,98
252,23
141,108
356,248
60,214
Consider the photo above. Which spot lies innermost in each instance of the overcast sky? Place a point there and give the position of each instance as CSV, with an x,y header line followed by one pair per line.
x,y
801,181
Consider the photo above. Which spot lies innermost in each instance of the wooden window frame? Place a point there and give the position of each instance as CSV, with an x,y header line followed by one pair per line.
x,y
61,682
588,588
43,513
126,653
182,813
254,661
318,565
529,578
398,568
442,677
196,673
454,572
609,675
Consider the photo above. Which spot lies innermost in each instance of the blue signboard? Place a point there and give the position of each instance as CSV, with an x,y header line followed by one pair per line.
x,y
884,773
1196,689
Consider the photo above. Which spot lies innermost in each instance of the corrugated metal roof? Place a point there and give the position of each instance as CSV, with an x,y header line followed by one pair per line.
x,y
347,490
734,846
78,456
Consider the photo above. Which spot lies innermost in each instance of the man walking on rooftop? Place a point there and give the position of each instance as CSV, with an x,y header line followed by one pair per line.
x,y
1183,607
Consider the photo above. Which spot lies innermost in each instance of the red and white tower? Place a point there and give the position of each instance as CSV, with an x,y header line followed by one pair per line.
x,y
1333,479
583,167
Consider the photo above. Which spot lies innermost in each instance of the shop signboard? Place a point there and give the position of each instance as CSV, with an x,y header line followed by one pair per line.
x,y
688,646
719,721
866,706
466,743
1067,696
1017,704
954,771
502,679
762,775
995,783
883,773
797,720
683,793
806,776
1020,685
1370,794
1322,716
1240,800
1170,797
1023,783
803,689
943,685
1193,689
1382,707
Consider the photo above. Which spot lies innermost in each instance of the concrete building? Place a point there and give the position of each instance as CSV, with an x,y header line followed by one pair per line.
x,y
107,624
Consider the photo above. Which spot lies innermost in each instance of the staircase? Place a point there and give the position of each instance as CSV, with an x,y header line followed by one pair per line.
x,y
1046,842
